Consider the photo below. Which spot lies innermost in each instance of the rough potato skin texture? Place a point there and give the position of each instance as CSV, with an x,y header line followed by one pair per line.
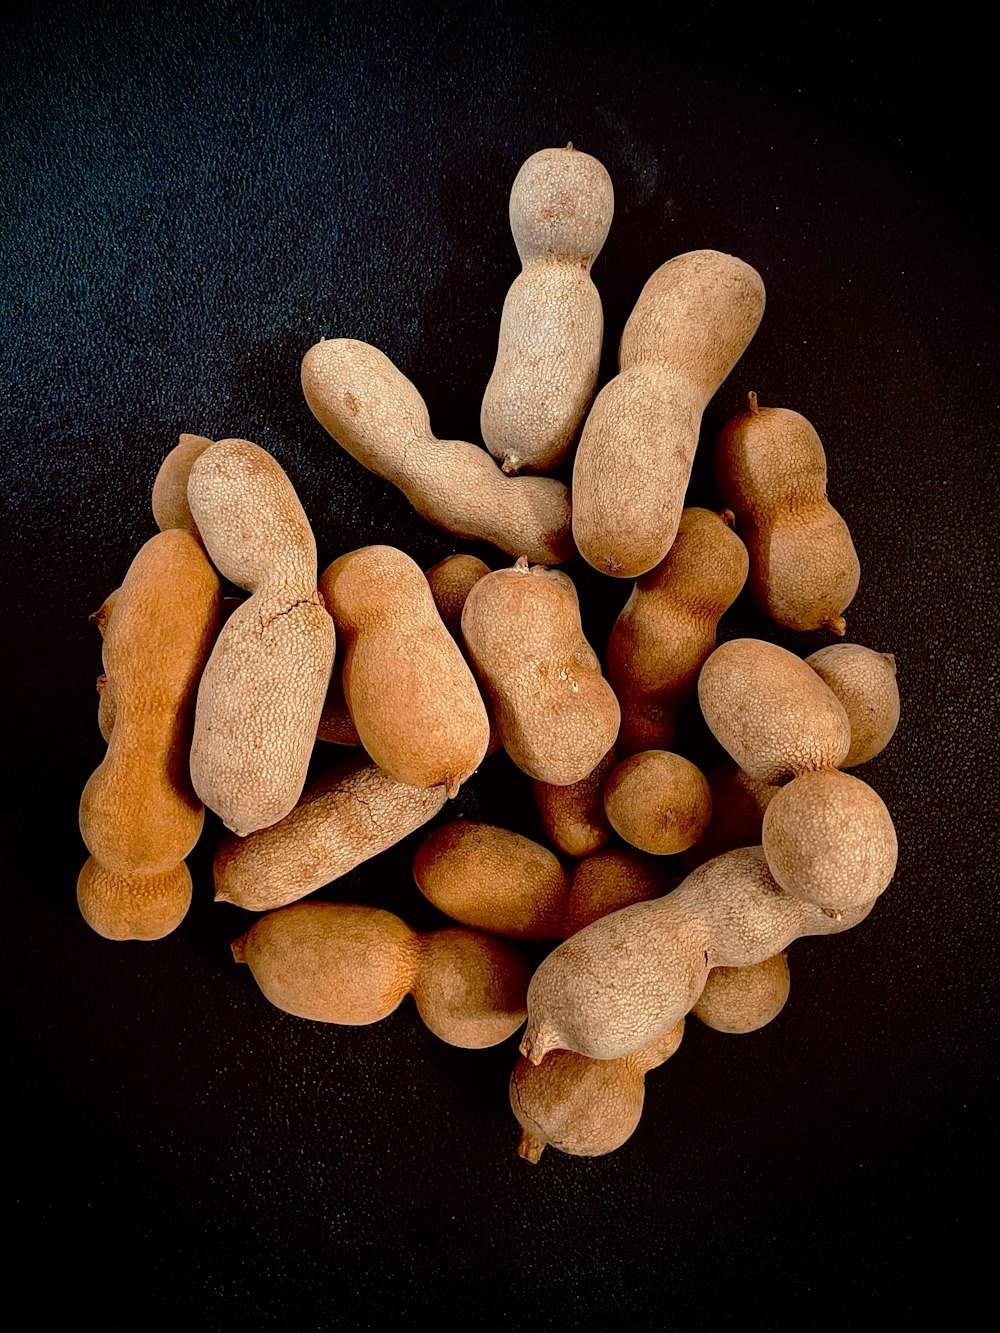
x,y
580,1106
346,817
771,470
744,999
133,907
772,712
738,805
376,414
690,325
451,580
573,816
620,983
139,814
829,839
549,352
341,963
658,802
170,498
410,692
493,879
609,880
556,714
865,683
667,628
261,696
335,725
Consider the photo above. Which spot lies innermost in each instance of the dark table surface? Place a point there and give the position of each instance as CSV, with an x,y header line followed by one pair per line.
x,y
192,197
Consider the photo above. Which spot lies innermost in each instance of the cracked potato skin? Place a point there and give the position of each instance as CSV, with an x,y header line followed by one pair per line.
x,y
344,818
262,692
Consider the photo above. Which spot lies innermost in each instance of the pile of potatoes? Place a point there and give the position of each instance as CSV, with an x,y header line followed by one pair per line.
x,y
424,675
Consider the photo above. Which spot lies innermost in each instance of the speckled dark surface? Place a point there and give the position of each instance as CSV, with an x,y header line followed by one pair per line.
x,y
191,200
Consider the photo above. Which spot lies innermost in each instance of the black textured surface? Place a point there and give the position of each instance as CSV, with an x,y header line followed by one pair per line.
x,y
192,197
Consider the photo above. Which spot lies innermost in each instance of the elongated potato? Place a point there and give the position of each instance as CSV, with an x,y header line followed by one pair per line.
x,y
373,411
549,353
262,693
409,690
690,325
556,714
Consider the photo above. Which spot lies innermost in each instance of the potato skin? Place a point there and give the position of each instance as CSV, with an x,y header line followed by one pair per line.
x,y
658,801
771,470
556,714
744,999
865,683
373,411
690,325
549,352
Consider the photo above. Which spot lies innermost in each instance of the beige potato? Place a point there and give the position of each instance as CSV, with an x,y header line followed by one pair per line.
x,y
623,981
580,1106
549,354
261,696
409,690
865,683
772,712
667,628
744,999
690,325
658,802
556,714
771,470
376,414
341,963
349,815
573,816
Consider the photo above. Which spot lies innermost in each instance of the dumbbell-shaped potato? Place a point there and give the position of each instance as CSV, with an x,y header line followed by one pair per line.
x,y
262,693
139,815
133,907
623,981
495,880
865,683
340,963
771,471
691,324
573,816
658,802
667,627
376,414
556,714
744,999
170,498
552,324
409,690
346,817
581,1106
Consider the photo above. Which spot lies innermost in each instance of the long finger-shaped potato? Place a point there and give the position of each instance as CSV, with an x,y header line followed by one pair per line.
x,y
139,814
410,692
373,411
556,714
691,324
262,693
348,816
549,354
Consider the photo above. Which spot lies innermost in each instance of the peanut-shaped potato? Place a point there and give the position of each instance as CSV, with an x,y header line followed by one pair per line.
x,y
348,816
623,981
581,1106
262,693
744,999
573,816
139,815
658,802
495,880
556,714
691,324
771,471
409,690
865,683
375,413
667,628
170,498
133,907
340,963
549,355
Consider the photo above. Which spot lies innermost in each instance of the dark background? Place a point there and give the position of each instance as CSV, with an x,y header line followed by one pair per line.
x,y
192,196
